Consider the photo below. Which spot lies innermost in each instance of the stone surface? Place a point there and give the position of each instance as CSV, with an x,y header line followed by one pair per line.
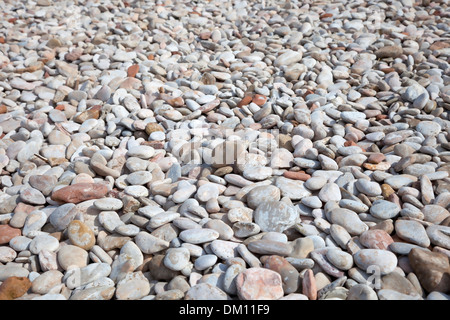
x,y
259,284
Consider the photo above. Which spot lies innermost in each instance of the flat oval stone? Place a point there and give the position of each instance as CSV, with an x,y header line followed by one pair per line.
x,y
32,196
7,254
349,220
385,260
369,188
384,210
275,216
205,261
80,192
412,232
61,217
43,242
34,222
70,256
270,247
261,194
224,249
108,204
375,239
340,259
439,235
196,236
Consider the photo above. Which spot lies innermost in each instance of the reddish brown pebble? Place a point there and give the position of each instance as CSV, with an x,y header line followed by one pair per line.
x,y
3,109
349,144
296,175
376,158
14,287
7,233
376,239
309,287
245,101
259,284
259,99
133,70
80,192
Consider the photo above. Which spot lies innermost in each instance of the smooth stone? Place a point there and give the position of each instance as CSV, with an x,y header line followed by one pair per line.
x,y
386,261
384,210
431,268
205,291
133,286
412,232
150,244
176,258
259,284
340,259
275,216
261,194
43,242
375,239
81,235
61,217
70,256
108,204
348,220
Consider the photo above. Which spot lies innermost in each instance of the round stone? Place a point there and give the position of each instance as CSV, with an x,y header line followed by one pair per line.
x,y
261,194
384,210
70,256
43,242
176,258
275,216
371,260
81,235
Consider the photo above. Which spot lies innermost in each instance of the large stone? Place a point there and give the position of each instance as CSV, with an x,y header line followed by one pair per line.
x,y
80,192
431,268
259,284
384,260
275,216
14,287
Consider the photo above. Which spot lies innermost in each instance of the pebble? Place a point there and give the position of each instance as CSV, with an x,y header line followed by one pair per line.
x,y
412,232
259,284
385,260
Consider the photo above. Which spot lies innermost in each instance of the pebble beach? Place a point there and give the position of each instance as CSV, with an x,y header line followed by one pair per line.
x,y
224,150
